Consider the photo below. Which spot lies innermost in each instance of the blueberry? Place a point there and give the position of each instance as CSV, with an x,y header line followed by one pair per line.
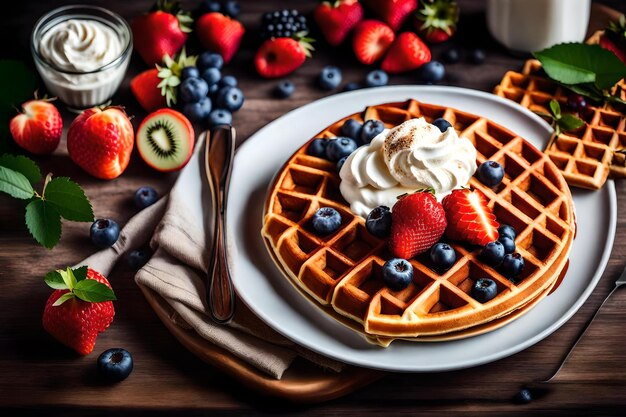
x,y
210,6
451,56
284,89
576,103
227,81
340,163
442,256
326,220
477,56
189,72
351,86
507,243
442,124
378,222
493,253
340,147
104,233
512,265
524,396
432,72
490,173
209,60
192,90
232,8
371,128
506,230
329,78
352,129
145,196
318,147
211,75
199,110
397,273
115,364
137,258
484,289
376,78
213,89
220,117
230,98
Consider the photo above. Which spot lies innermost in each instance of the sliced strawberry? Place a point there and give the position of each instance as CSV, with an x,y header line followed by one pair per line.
x,y
38,128
280,56
392,12
160,32
469,217
417,222
407,53
337,18
219,33
145,88
436,20
371,40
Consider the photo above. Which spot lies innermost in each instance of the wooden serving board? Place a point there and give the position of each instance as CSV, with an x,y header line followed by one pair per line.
x,y
303,382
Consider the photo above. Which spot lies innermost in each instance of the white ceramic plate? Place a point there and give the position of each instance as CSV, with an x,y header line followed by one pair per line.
x,y
268,293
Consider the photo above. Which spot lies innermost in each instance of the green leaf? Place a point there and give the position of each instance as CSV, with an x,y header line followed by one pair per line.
x,y
570,122
15,184
579,63
63,298
80,273
69,200
556,108
93,291
72,279
43,222
586,90
25,166
55,280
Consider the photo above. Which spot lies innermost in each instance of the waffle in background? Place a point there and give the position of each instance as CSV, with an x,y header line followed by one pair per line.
x,y
341,273
587,156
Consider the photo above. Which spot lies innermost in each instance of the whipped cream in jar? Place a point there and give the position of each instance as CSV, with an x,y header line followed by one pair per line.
x,y
82,53
411,156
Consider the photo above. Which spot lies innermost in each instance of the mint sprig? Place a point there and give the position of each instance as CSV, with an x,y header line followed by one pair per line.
x,y
588,70
75,280
59,198
561,122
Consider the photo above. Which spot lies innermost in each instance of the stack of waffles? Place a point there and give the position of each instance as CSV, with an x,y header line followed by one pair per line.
x,y
342,273
588,156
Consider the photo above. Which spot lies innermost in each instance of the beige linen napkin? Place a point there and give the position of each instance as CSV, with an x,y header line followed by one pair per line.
x,y
177,270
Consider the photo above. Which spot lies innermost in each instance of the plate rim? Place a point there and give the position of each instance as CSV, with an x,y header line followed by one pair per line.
x,y
414,90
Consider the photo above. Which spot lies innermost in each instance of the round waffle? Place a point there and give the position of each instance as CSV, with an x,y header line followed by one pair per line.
x,y
342,273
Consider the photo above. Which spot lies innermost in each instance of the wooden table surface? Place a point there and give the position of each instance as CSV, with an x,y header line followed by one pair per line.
x,y
37,373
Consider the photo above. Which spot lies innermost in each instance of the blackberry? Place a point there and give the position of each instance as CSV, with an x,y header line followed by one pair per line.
x,y
282,23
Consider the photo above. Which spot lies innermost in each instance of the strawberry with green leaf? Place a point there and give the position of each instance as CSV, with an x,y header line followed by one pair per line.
x,y
614,38
80,307
278,57
161,31
436,20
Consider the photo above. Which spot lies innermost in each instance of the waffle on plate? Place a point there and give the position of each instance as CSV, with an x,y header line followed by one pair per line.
x,y
341,273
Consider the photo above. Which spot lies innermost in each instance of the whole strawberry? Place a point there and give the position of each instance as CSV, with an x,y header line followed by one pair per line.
x,y
38,128
161,31
406,53
417,222
219,33
469,217
436,20
278,57
392,12
101,141
614,38
79,309
337,18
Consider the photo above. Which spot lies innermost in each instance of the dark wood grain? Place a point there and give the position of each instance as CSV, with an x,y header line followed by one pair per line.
x,y
37,373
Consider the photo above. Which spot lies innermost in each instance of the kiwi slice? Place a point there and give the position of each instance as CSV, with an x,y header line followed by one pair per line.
x,y
165,140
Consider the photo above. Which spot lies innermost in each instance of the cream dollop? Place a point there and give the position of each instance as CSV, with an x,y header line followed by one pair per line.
x,y
80,45
413,155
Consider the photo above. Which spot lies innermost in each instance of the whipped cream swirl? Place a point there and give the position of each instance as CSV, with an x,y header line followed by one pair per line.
x,y
80,45
411,156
